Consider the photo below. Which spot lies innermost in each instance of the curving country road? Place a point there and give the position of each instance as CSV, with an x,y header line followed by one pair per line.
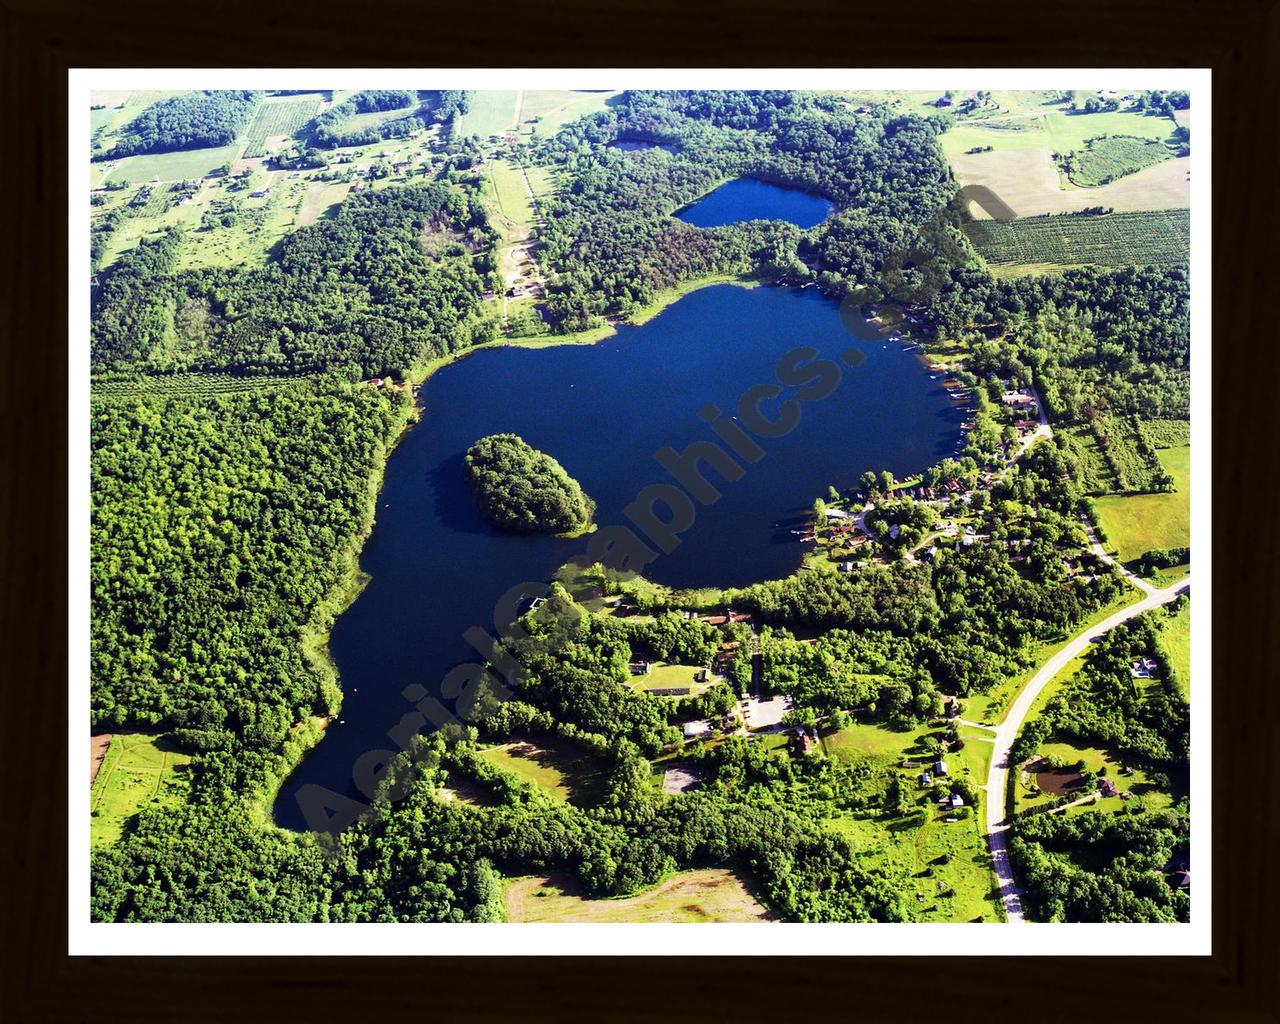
x,y
1006,733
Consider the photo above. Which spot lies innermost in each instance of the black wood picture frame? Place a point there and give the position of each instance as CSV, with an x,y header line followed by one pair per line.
x,y
1238,39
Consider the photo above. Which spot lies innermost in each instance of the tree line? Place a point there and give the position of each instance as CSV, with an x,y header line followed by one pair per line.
x,y
194,120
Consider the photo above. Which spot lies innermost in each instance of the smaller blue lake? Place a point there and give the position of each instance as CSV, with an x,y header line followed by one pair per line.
x,y
752,199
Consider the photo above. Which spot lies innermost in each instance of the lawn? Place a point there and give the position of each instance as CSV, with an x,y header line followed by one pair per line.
x,y
1138,523
138,771
662,675
551,764
704,895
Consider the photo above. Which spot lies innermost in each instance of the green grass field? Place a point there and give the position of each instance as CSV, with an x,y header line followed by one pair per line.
x,y
185,165
551,764
492,112
1175,646
1103,160
138,771
662,675
706,895
1138,523
554,108
1038,244
508,198
911,849
1056,129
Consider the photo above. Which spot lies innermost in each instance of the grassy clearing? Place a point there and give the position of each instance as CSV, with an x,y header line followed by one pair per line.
x,y
1107,159
138,771
924,850
509,199
1175,647
182,166
1138,523
551,764
1058,130
705,895
321,197
555,108
492,112
1032,244
662,676
1029,793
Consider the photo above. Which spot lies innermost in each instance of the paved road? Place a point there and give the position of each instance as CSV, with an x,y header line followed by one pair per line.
x,y
1007,732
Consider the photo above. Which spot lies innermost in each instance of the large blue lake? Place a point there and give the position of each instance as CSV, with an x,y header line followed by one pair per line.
x,y
751,199
438,568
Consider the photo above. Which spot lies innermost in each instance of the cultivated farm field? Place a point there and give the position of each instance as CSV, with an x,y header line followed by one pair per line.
x,y
278,119
1030,183
1031,244
1112,157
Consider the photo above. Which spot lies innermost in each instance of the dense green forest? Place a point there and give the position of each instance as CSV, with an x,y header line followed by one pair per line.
x,y
1093,340
220,527
524,490
225,529
359,288
194,120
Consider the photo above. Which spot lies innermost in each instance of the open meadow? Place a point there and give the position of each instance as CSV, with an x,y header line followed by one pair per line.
x,y
138,771
1138,523
1030,183
551,764
703,895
